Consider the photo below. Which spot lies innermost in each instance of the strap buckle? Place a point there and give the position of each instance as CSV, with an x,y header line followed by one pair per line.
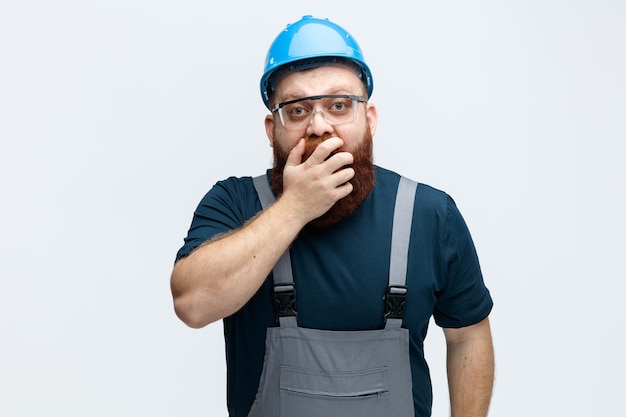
x,y
285,300
395,301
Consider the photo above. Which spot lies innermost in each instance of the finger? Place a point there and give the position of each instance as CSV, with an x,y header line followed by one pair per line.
x,y
339,160
342,176
325,149
295,156
343,190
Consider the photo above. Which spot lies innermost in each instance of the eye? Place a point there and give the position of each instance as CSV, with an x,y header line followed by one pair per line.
x,y
296,111
340,105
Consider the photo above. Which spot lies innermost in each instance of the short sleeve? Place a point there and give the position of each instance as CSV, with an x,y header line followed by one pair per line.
x,y
463,299
227,206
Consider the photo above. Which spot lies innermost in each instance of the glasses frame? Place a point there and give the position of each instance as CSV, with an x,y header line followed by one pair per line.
x,y
279,107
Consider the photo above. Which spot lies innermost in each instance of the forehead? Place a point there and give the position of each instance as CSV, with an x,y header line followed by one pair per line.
x,y
320,80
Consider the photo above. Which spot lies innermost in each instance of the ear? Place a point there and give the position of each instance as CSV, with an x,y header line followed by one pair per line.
x,y
269,128
372,117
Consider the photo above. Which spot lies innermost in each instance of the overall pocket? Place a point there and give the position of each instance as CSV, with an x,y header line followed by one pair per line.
x,y
316,393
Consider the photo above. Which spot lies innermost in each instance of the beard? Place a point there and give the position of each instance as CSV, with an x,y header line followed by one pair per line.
x,y
363,181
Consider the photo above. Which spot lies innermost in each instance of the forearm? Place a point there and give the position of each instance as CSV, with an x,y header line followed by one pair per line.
x,y
219,277
470,363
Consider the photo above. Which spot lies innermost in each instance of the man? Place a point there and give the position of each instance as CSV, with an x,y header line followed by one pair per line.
x,y
327,292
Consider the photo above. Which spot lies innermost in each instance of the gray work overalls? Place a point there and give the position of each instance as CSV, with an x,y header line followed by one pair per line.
x,y
323,373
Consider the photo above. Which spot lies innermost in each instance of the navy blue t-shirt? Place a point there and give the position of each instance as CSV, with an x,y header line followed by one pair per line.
x,y
341,275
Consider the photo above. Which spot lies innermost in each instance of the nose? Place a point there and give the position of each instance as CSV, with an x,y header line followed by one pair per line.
x,y
319,125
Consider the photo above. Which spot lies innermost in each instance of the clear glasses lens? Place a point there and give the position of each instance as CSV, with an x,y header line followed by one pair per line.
x,y
336,110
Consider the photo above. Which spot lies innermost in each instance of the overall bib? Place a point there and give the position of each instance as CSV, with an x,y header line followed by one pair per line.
x,y
324,373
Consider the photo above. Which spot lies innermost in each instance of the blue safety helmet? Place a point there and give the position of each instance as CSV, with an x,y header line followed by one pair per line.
x,y
311,42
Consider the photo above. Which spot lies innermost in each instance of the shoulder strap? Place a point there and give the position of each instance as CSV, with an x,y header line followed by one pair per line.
x,y
263,189
282,269
401,232
395,299
284,289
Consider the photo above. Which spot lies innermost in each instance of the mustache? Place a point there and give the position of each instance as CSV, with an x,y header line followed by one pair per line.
x,y
312,142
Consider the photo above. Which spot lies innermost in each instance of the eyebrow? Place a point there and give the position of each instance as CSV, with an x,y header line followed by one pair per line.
x,y
296,94
309,98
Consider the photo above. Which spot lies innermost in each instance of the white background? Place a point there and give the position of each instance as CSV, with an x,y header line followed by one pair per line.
x,y
117,116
